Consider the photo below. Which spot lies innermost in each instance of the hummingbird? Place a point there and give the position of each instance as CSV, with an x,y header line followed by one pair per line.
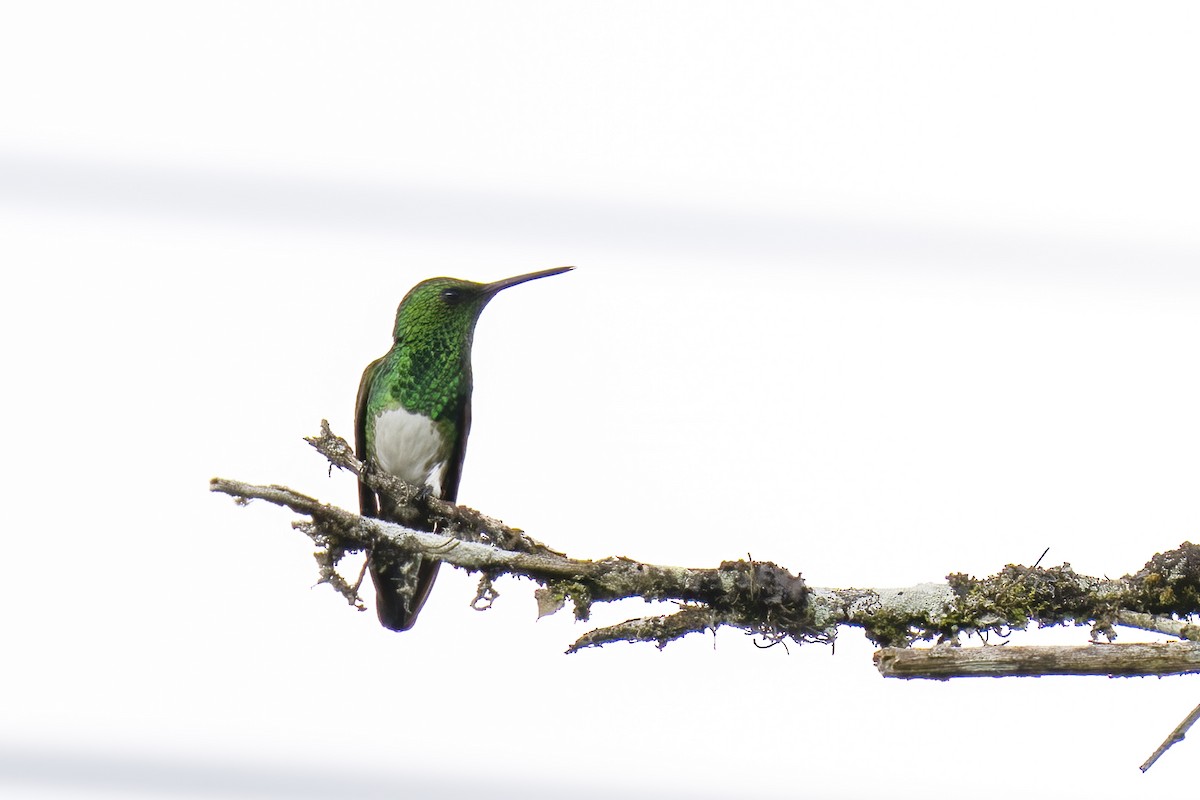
x,y
413,416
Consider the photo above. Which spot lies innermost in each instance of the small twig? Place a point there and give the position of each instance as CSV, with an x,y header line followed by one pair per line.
x,y
362,573
1176,736
1043,555
1183,629
659,630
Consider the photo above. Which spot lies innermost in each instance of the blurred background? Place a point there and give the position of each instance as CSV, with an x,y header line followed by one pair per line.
x,y
878,292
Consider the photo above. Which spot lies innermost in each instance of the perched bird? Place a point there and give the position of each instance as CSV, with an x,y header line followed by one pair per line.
x,y
413,416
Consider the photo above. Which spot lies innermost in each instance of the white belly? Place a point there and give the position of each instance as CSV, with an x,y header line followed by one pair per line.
x,y
410,447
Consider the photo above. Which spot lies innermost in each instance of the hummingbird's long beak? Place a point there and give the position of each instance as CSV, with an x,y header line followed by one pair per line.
x,y
490,289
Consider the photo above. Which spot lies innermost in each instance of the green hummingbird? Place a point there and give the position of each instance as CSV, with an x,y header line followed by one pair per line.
x,y
413,415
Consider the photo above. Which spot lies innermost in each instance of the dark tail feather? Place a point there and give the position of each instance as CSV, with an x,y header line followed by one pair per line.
x,y
401,590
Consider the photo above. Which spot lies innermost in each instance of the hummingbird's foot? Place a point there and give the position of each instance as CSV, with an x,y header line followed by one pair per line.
x,y
367,467
421,499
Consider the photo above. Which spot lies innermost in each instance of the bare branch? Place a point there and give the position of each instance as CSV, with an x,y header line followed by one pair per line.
x,y
1113,660
1174,738
1166,625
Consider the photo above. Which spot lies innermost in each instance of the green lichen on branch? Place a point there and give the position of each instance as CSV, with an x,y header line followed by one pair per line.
x,y
556,593
757,597
1169,583
890,628
765,598
1018,596
659,630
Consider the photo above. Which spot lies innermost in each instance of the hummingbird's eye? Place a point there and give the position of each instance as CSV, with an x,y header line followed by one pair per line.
x,y
452,296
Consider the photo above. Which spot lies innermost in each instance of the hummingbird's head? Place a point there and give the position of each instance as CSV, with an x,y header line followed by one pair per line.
x,y
445,310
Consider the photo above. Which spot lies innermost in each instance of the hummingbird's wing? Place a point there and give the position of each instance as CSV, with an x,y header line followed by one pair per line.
x,y
368,503
454,464
401,588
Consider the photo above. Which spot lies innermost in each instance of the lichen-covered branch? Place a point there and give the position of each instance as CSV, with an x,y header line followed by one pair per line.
x,y
660,630
766,600
755,596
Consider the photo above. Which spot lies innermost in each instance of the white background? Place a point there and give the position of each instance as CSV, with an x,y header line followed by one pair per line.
x,y
875,291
